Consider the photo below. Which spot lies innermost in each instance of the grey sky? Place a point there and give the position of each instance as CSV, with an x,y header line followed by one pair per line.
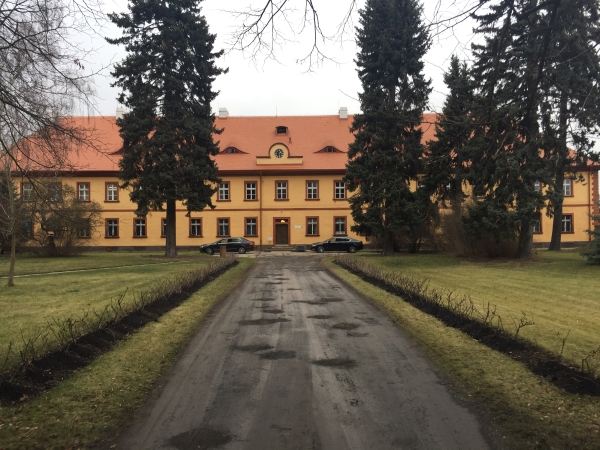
x,y
284,87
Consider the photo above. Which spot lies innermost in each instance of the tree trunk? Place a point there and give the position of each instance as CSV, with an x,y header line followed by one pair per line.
x,y
13,258
555,240
171,235
525,241
388,243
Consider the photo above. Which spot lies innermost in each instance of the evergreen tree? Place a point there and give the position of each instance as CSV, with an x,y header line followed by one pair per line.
x,y
505,157
592,252
386,154
570,108
445,161
166,81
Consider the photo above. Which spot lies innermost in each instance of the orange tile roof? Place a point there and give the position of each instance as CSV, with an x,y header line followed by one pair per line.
x,y
306,136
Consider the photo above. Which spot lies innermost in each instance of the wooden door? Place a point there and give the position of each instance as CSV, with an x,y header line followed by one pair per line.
x,y
281,234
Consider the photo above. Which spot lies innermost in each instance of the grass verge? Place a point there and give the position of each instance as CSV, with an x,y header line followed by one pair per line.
x,y
558,290
529,412
104,395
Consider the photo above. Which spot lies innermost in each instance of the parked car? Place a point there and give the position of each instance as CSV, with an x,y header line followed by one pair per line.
x,y
239,245
337,244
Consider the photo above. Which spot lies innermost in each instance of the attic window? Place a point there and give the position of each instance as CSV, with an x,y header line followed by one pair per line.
x,y
231,150
329,149
281,130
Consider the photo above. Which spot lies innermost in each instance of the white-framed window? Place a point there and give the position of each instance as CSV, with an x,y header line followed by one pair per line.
x,y
83,192
281,189
26,191
312,226
195,227
163,227
224,191
567,223
139,227
112,192
112,227
339,190
537,223
251,228
567,187
340,226
223,227
83,228
537,186
250,190
55,192
312,190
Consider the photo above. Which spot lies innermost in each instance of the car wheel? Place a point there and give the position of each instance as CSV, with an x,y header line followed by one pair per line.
x,y
352,249
242,250
209,251
320,249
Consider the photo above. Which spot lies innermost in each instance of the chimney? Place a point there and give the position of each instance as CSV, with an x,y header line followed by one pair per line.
x,y
223,113
343,112
120,112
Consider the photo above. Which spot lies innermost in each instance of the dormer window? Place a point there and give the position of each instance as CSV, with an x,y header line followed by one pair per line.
x,y
281,130
329,149
231,150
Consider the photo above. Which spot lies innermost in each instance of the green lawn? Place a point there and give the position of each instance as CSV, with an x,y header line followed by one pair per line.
x,y
35,300
27,264
89,408
557,289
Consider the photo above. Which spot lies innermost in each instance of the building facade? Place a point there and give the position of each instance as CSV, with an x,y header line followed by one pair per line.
x,y
281,185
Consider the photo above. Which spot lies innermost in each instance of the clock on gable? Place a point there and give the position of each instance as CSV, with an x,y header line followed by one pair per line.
x,y
278,153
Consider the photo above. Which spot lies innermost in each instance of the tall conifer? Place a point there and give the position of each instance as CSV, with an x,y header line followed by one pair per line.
x,y
386,154
166,81
446,161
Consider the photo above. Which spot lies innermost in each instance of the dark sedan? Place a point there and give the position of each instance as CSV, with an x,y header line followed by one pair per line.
x,y
239,245
337,244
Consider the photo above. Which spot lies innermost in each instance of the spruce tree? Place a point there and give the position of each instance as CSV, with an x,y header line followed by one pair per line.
x,y
571,99
386,155
505,157
592,252
445,162
166,81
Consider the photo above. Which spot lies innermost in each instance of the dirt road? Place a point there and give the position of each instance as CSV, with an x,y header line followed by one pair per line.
x,y
296,360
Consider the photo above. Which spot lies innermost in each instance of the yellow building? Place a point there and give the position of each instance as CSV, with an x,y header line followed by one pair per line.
x,y
281,186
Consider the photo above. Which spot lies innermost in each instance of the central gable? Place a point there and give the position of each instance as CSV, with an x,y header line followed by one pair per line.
x,y
279,154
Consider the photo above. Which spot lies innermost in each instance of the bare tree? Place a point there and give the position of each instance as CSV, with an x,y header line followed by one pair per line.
x,y
41,84
262,31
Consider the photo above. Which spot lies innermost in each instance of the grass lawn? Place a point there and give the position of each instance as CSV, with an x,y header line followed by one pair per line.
x,y
28,264
35,300
524,410
558,290
89,407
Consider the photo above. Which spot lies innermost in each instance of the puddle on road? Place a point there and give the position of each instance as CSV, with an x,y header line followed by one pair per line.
x,y
280,278
355,334
331,299
274,282
203,438
261,299
294,289
253,347
272,311
345,326
335,362
263,321
319,316
278,354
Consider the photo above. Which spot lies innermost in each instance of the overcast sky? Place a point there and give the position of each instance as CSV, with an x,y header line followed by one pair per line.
x,y
264,87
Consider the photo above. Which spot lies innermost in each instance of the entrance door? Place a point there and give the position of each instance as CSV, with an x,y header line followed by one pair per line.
x,y
281,234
